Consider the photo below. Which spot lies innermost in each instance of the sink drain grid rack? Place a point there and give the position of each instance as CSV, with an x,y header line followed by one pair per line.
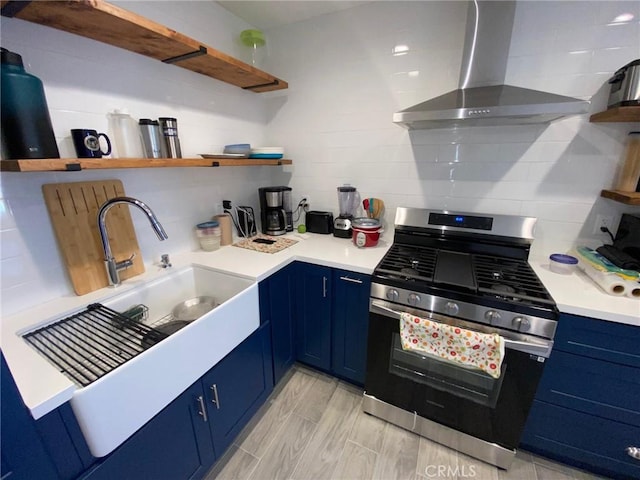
x,y
88,345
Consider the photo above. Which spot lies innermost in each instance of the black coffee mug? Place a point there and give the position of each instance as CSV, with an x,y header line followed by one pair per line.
x,y
87,143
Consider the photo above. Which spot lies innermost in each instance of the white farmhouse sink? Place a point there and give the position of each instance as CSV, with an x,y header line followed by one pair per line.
x,y
112,408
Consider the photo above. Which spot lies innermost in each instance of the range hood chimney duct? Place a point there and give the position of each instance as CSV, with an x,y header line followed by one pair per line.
x,y
483,98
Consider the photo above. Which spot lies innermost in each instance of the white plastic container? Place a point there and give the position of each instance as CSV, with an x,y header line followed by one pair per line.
x,y
126,136
209,235
562,264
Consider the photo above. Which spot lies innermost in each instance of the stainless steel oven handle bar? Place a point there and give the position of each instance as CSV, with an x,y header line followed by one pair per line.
x,y
542,349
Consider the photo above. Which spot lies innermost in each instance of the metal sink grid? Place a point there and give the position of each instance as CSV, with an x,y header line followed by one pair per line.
x,y
88,345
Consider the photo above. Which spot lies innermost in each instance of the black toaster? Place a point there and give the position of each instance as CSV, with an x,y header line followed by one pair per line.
x,y
319,222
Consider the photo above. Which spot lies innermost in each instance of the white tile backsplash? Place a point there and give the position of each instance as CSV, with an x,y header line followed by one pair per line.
x,y
334,121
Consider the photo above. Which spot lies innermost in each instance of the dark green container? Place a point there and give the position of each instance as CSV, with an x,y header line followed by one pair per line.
x,y
25,123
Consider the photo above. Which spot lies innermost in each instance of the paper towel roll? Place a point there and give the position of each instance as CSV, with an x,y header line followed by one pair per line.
x,y
633,289
609,282
226,232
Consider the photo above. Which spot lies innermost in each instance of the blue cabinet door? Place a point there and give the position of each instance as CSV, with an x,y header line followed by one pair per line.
x,y
23,454
586,441
313,315
592,386
237,386
277,306
174,445
350,325
608,341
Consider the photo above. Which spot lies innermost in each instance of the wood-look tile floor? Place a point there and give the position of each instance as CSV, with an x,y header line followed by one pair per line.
x,y
313,428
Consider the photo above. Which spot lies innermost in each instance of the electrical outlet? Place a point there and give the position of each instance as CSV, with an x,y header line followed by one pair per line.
x,y
305,202
602,221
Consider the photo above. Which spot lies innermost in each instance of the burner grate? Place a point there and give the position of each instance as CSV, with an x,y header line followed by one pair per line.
x,y
508,278
89,344
409,262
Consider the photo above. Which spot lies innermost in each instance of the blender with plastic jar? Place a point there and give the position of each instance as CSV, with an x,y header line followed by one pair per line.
x,y
348,203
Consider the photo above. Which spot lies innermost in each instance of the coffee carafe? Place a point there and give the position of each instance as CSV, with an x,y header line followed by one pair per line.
x,y
348,202
272,213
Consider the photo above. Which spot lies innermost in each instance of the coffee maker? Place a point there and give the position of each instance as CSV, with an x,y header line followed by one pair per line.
x,y
274,202
348,203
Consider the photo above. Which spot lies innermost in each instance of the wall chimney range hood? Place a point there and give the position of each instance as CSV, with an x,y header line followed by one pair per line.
x,y
483,98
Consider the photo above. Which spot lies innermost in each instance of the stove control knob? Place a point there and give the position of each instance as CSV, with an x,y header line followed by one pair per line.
x,y
492,316
521,323
392,294
451,308
413,299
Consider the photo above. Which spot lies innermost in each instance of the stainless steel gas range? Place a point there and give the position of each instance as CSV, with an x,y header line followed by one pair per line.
x,y
468,270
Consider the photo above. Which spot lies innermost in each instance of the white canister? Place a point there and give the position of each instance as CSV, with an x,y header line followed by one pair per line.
x,y
125,134
209,235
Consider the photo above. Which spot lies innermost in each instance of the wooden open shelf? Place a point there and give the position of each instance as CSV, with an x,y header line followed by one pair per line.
x,y
77,164
629,198
617,114
110,24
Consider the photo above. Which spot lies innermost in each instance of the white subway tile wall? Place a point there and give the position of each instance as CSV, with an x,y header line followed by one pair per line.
x,y
334,122
84,80
346,83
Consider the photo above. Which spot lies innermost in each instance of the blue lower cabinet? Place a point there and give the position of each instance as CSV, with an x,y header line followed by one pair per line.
x,y
332,318
277,306
585,441
350,325
183,441
236,387
586,411
63,439
23,453
313,315
175,444
592,386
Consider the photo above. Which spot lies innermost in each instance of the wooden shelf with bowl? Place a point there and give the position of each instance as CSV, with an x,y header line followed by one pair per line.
x,y
78,164
104,22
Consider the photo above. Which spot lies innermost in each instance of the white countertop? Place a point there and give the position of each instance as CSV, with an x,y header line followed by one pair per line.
x,y
576,293
43,388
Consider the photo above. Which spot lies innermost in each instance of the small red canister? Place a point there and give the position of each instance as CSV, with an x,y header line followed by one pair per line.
x,y
366,232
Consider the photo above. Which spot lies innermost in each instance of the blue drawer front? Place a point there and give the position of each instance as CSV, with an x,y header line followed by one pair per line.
x,y
609,341
586,441
592,386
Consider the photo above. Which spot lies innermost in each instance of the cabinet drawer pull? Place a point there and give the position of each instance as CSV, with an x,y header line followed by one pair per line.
x,y
633,452
324,287
353,280
215,400
203,409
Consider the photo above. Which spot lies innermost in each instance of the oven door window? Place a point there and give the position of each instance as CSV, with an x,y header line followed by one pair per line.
x,y
445,376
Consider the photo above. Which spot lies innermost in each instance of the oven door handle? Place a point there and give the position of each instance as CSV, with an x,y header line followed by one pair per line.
x,y
389,312
541,349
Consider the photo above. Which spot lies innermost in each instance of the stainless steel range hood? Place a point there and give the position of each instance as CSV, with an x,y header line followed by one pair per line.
x,y
483,98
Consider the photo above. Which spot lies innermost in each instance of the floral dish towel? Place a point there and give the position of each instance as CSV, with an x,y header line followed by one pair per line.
x,y
482,351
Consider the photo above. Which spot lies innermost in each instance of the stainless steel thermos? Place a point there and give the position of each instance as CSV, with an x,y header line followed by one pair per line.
x,y
152,140
26,126
169,129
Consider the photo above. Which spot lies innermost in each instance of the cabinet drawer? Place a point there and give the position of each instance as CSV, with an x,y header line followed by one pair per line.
x,y
582,440
592,386
613,342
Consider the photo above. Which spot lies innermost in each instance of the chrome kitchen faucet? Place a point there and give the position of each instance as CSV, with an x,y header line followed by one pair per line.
x,y
113,266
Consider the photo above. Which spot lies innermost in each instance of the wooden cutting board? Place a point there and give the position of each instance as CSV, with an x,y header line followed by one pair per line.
x,y
73,208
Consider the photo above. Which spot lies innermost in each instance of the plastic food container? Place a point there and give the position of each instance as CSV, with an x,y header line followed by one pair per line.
x,y
562,264
209,235
365,232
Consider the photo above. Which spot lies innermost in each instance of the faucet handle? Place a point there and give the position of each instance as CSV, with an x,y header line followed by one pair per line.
x,y
124,264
